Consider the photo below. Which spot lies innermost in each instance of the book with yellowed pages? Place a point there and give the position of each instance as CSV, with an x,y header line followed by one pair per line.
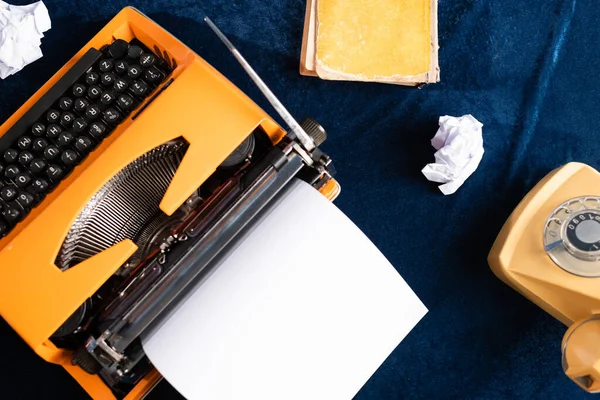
x,y
387,41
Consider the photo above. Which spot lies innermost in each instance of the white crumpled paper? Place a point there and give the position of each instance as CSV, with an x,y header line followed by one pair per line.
x,y
21,31
459,145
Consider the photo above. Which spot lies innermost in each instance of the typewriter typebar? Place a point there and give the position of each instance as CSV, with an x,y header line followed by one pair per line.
x,y
131,170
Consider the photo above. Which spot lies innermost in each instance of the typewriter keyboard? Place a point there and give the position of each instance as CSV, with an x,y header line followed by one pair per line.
x,y
82,108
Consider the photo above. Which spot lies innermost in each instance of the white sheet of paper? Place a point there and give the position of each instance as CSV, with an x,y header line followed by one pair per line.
x,y
306,307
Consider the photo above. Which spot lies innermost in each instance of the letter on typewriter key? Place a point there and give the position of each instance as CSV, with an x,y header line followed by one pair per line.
x,y
53,116
39,145
38,129
92,112
51,152
121,85
25,158
121,67
24,142
65,139
79,89
53,131
105,65
108,97
11,171
65,103
107,79
37,166
79,125
94,92
66,119
23,179
92,78
81,105
134,71
9,193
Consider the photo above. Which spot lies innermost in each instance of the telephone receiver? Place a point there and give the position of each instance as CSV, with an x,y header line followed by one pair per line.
x,y
549,251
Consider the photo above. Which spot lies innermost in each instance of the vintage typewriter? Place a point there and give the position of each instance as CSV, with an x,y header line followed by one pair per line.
x,y
120,180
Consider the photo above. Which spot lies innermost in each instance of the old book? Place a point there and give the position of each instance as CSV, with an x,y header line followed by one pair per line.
x,y
388,41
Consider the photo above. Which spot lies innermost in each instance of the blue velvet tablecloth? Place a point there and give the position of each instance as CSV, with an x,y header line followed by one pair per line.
x,y
526,69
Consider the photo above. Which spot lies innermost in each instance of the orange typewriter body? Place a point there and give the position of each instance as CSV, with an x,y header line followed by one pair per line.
x,y
36,297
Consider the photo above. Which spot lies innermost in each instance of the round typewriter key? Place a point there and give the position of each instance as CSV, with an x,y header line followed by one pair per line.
x,y
52,116
9,193
134,71
81,105
92,112
39,145
54,172
139,88
65,103
118,48
65,139
121,67
40,185
38,129
24,142
12,214
121,85
23,179
26,200
105,65
107,97
3,228
134,52
53,131
125,102
25,158
153,75
38,165
94,92
79,89
51,152
10,156
83,144
66,119
11,171
147,60
111,115
79,125
97,130
107,79
92,78
69,157
1,171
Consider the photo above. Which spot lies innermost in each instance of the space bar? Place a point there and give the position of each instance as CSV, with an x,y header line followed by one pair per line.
x,y
49,98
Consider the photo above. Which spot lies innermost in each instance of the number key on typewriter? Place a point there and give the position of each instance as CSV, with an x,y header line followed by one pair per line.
x,y
25,158
153,75
97,130
112,116
40,185
9,193
69,158
125,102
83,144
139,88
26,200
55,173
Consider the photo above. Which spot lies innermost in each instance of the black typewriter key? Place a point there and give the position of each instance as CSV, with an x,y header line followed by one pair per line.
x,y
92,78
94,92
40,185
1,170
23,180
38,129
83,144
65,103
97,130
79,125
24,142
11,172
38,165
107,79
92,112
121,67
112,116
52,116
81,105
66,119
108,97
54,172
121,85
139,88
11,155
25,200
118,48
147,60
125,102
65,139
69,157
51,152
79,89
9,193
134,71
153,75
105,65
134,52
25,158
53,131
39,145
3,228
12,214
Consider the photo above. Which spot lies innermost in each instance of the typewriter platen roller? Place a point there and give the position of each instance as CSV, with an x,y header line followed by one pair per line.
x,y
128,231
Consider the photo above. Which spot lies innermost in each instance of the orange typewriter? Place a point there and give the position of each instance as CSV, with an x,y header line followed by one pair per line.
x,y
128,207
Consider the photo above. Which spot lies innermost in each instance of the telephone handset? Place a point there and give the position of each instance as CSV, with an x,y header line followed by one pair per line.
x,y
549,251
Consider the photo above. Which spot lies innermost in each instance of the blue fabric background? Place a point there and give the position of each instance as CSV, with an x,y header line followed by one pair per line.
x,y
526,69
